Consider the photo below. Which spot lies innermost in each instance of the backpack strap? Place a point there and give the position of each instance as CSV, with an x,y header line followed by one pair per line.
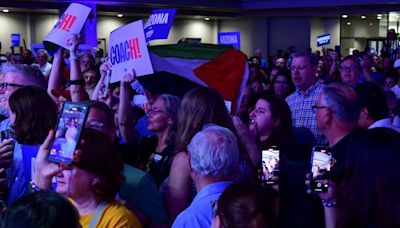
x,y
97,214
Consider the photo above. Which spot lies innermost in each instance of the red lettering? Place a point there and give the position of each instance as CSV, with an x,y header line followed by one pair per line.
x,y
132,48
137,47
71,23
67,22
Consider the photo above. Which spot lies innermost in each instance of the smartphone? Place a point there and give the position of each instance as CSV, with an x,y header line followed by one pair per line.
x,y
321,164
337,49
70,124
269,165
6,134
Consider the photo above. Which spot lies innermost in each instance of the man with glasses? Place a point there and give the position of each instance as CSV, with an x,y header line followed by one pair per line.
x,y
337,112
350,71
308,89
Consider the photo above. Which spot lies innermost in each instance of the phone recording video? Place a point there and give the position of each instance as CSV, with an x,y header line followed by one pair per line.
x,y
6,134
269,165
321,164
69,126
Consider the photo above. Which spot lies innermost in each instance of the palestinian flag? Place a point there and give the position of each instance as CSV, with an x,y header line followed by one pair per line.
x,y
181,67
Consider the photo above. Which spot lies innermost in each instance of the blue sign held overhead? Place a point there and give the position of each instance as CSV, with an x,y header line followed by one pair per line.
x,y
229,38
323,40
159,24
15,40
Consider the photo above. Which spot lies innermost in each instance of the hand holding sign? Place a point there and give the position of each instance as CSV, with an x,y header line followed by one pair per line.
x,y
72,43
128,50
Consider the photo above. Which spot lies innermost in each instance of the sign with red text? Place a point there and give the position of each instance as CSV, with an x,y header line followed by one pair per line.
x,y
70,22
128,50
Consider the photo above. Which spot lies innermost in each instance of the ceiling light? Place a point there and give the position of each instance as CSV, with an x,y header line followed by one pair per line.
x,y
207,18
345,16
348,23
6,10
379,15
120,15
363,16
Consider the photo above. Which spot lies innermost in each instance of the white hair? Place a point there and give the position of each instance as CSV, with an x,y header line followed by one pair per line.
x,y
214,153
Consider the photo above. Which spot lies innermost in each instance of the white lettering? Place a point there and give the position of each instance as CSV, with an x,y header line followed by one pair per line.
x,y
229,39
157,19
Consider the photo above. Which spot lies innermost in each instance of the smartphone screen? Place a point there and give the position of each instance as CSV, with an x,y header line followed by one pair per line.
x,y
270,165
68,130
337,49
6,134
321,164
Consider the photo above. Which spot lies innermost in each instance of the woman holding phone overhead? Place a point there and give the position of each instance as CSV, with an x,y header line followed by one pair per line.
x,y
91,182
271,126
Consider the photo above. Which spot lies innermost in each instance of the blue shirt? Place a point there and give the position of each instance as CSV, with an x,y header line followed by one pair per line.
x,y
17,175
19,181
200,211
300,104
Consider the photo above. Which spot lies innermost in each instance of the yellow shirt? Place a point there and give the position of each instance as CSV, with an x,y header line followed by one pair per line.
x,y
114,215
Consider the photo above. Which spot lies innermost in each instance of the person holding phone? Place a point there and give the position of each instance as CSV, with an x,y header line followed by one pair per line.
x,y
271,125
372,171
91,182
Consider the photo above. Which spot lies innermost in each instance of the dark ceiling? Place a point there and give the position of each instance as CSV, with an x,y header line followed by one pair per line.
x,y
218,8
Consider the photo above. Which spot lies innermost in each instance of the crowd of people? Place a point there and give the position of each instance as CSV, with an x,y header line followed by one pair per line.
x,y
187,161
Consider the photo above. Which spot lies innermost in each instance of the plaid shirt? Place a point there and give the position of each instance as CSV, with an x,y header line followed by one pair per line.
x,y
300,104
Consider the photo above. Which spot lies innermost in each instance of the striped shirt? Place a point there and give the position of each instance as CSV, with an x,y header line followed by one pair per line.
x,y
300,104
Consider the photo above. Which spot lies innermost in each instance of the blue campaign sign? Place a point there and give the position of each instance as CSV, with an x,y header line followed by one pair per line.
x,y
323,40
229,38
15,40
159,24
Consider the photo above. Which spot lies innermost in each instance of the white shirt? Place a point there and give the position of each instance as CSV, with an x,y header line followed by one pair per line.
x,y
396,90
45,69
387,123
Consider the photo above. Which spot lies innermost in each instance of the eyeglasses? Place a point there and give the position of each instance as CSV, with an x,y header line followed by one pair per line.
x,y
315,107
95,125
4,85
348,69
293,68
155,110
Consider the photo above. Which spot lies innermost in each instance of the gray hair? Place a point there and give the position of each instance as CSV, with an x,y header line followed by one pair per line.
x,y
214,153
172,104
32,75
44,52
342,100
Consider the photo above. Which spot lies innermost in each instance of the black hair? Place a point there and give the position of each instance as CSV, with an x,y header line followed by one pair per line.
x,y
44,209
372,97
35,114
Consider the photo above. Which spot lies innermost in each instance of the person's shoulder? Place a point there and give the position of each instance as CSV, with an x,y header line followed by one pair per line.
x,y
117,215
291,97
184,219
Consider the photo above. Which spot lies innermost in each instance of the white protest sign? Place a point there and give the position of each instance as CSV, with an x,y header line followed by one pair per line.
x,y
128,50
71,22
